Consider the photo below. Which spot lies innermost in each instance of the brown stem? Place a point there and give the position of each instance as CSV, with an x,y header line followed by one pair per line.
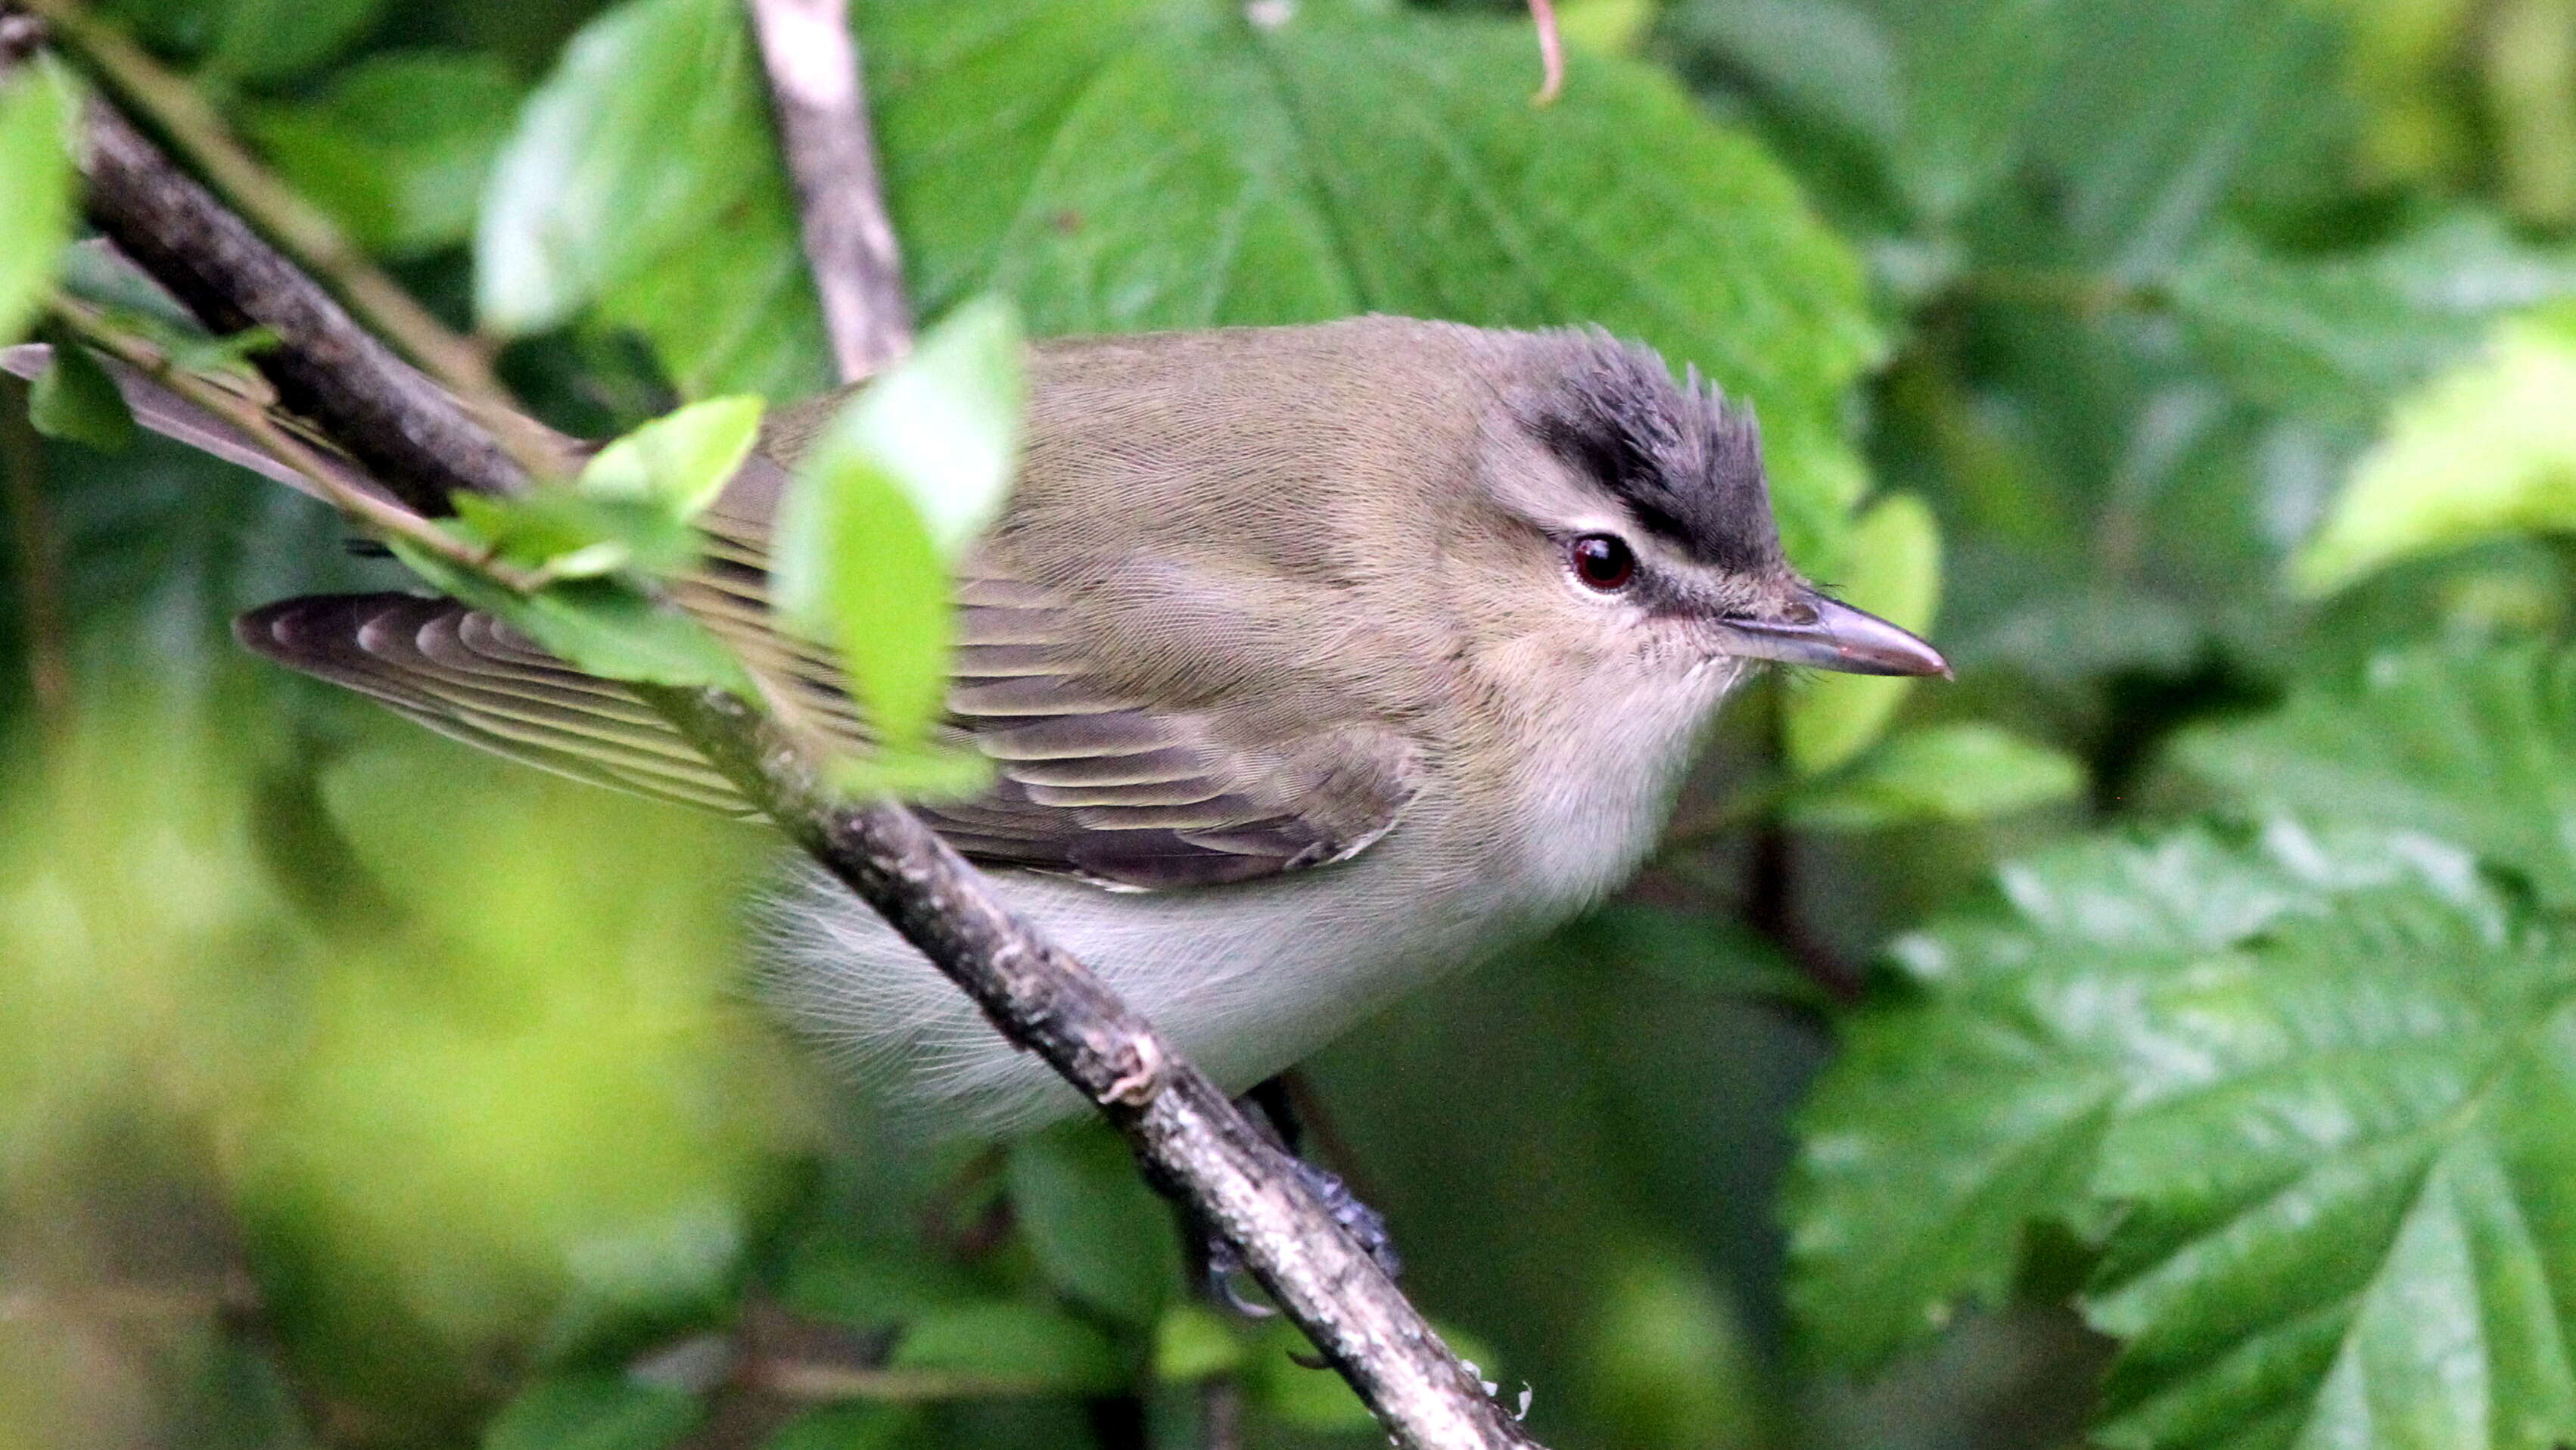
x,y
816,90
40,565
1551,53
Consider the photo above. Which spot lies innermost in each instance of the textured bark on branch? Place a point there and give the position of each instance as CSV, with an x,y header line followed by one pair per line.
x,y
420,443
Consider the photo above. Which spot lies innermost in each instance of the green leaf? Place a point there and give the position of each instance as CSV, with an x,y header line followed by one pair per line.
x,y
604,626
2477,748
1027,1346
1954,1124
892,493
398,147
74,398
259,40
572,536
2486,450
870,1284
1939,93
850,1427
1893,571
2347,1156
1163,166
680,461
1288,1391
2342,336
643,173
593,1412
1962,772
1096,1230
38,110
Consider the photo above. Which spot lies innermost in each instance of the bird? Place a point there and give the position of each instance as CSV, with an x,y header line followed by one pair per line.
x,y
1312,663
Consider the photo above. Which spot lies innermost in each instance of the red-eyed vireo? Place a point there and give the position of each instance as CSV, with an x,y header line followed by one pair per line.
x,y
1313,661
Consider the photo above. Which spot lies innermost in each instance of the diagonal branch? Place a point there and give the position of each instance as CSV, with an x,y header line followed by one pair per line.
x,y
422,445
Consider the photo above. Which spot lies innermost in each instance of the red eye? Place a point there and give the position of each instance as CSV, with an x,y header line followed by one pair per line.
x,y
1602,561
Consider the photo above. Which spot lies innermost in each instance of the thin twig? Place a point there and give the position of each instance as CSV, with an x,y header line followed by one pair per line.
x,y
817,91
303,229
387,519
39,559
1551,53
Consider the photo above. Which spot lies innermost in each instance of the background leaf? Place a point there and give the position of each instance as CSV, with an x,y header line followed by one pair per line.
x,y
2483,452
398,147
1894,571
2476,748
1098,1232
1962,772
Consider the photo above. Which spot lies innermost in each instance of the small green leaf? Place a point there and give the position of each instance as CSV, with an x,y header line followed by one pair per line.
x,y
1962,772
1096,1230
38,110
2487,450
679,461
924,773
604,626
74,398
598,1411
1893,571
571,536
912,469
1027,1346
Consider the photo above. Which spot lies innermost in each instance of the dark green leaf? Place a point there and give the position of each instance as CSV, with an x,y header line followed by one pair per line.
x,y
1938,92
850,1427
1028,1347
272,39
1962,772
593,1412
2478,748
74,398
912,469
871,1285
1951,1125
37,110
398,148
643,174
1097,1231
604,626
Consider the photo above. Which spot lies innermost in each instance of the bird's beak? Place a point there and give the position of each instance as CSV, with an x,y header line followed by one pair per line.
x,y
1831,635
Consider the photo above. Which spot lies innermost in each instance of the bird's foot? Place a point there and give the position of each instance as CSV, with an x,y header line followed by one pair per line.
x,y
1366,1226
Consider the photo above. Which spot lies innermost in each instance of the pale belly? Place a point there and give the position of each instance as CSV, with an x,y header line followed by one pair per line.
x,y
1245,979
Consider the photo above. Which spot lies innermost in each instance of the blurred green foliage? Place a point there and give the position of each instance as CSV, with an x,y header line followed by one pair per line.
x,y
2197,370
